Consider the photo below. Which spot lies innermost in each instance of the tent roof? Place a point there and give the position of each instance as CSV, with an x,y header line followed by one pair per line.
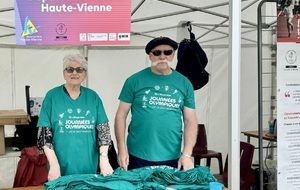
x,y
153,18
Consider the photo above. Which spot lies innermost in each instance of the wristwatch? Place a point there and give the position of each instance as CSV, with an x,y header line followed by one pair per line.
x,y
103,154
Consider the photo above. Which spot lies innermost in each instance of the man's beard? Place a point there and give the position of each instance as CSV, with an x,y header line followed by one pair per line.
x,y
154,63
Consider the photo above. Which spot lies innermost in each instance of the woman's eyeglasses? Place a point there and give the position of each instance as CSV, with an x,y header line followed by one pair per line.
x,y
158,52
77,69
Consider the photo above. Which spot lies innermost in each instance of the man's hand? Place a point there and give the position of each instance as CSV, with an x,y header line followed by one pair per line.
x,y
185,162
123,159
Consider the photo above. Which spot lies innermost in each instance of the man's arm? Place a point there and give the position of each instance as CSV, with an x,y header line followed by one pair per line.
x,y
120,127
190,130
190,136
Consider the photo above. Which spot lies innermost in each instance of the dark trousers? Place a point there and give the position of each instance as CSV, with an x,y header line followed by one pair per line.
x,y
135,162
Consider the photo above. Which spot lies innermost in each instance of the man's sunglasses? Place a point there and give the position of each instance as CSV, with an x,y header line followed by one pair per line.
x,y
158,52
77,69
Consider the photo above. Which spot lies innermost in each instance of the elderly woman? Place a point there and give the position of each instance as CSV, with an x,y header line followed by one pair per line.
x,y
73,127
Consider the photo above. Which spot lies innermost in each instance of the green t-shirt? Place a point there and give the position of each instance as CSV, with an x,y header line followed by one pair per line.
x,y
155,130
158,178
73,124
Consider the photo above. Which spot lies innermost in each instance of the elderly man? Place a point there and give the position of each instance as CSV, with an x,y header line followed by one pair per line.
x,y
159,98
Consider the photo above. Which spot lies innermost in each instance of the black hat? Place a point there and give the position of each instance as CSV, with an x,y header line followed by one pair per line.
x,y
160,41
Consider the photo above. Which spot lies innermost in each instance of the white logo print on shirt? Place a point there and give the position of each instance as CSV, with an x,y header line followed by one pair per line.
x,y
162,98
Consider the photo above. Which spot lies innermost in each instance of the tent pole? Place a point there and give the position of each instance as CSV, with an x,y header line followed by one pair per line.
x,y
137,7
260,112
234,62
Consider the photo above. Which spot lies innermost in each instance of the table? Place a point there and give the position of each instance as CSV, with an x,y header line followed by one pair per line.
x,y
26,188
42,188
266,135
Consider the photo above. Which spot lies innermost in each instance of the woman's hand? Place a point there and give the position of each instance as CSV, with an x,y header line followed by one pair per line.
x,y
105,167
54,172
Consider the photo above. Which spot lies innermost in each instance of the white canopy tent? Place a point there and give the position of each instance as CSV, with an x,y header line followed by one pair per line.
x,y
152,18
109,66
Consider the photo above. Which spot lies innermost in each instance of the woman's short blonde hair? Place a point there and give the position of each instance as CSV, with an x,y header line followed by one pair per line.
x,y
69,58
